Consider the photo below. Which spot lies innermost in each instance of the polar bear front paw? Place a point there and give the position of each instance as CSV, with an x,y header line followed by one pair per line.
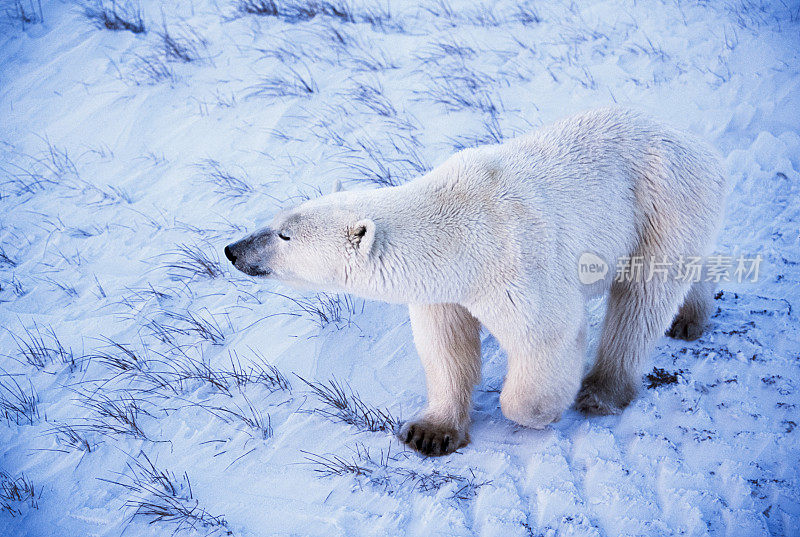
x,y
432,439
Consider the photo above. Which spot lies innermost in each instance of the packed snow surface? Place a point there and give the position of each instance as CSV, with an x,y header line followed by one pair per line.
x,y
146,387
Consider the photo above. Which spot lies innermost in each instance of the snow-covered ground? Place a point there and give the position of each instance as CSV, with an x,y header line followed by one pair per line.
x,y
136,393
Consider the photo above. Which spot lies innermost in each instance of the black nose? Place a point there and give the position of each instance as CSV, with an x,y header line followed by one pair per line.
x,y
229,254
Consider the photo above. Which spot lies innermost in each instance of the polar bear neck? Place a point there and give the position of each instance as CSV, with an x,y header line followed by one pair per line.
x,y
427,232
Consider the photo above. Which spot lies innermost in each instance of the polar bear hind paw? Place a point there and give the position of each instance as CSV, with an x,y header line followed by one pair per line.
x,y
593,399
432,439
686,328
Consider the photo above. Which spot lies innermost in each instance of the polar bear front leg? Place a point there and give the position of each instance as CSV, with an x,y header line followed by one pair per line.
x,y
447,338
544,374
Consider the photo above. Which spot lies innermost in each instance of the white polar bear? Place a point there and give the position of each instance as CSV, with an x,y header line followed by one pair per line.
x,y
493,236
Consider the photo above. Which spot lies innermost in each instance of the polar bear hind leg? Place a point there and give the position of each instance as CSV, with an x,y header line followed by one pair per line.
x,y
678,193
693,316
636,316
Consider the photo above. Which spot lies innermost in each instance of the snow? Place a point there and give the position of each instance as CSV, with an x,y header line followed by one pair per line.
x,y
106,173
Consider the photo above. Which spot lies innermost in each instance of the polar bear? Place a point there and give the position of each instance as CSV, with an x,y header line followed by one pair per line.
x,y
493,237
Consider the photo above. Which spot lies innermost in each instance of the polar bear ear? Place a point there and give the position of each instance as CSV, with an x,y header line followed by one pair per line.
x,y
337,187
362,235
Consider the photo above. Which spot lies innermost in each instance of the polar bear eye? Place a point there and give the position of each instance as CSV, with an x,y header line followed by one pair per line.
x,y
283,236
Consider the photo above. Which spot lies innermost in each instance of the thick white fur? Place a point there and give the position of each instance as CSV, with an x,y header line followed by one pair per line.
x,y
493,236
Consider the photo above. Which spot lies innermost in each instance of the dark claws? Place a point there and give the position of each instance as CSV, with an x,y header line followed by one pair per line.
x,y
432,439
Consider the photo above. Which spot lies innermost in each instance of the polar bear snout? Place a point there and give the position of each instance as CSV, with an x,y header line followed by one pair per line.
x,y
229,254
250,255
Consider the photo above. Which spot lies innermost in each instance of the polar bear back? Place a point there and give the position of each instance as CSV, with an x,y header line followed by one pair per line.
x,y
609,181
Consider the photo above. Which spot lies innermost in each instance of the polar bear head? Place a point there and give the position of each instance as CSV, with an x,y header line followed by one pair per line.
x,y
318,245
427,241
